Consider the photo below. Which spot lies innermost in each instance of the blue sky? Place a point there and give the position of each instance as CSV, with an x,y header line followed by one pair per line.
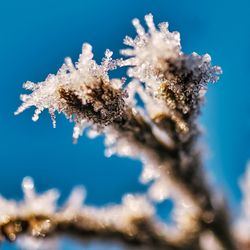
x,y
36,36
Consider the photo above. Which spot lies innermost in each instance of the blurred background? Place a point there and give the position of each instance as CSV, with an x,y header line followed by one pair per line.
x,y
36,36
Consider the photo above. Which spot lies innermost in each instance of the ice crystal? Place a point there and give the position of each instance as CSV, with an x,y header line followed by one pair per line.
x,y
156,58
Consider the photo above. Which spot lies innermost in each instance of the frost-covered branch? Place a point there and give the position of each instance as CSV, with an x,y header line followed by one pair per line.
x,y
242,225
177,83
38,216
153,119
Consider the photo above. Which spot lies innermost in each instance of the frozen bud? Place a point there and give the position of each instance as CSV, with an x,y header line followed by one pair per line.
x,y
156,58
83,92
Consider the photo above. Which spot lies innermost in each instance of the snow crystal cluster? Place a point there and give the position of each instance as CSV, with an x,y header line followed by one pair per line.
x,y
38,215
83,92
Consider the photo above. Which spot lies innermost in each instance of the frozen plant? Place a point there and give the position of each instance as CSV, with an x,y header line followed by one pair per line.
x,y
162,133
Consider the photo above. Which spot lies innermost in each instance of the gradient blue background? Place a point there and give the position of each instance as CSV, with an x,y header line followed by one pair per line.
x,y
35,38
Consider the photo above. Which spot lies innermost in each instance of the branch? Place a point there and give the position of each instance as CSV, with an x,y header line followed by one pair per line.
x,y
163,133
177,82
132,223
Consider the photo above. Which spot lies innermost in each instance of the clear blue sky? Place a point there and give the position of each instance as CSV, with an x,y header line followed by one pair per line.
x,y
35,38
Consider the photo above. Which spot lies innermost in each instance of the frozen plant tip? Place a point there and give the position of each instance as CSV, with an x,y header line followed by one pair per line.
x,y
155,58
160,130
82,91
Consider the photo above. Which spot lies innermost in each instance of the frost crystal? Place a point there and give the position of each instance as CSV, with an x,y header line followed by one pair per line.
x,y
242,227
83,92
155,57
31,243
33,203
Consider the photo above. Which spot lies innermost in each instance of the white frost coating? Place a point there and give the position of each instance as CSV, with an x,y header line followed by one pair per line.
x,y
160,190
39,204
208,242
86,95
147,50
75,202
242,226
152,105
30,243
127,147
43,204
119,216
78,77
185,212
78,129
46,203
8,208
149,172
138,206
152,53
